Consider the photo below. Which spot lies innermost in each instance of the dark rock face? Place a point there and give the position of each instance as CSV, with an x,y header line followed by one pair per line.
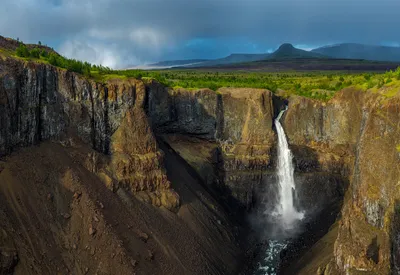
x,y
8,261
98,175
237,153
188,112
237,121
353,137
40,102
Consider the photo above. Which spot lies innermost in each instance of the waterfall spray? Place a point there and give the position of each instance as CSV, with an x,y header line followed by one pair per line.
x,y
285,211
285,217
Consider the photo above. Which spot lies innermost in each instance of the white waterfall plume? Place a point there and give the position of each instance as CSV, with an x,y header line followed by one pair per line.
x,y
285,211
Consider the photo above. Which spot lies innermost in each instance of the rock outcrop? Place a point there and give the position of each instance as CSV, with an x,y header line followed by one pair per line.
x,y
40,102
236,126
355,135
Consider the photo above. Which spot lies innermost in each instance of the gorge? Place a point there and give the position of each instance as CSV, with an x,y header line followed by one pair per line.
x,y
129,176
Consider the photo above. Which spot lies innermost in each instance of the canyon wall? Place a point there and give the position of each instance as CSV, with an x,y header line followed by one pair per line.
x,y
226,135
81,165
345,150
356,136
40,102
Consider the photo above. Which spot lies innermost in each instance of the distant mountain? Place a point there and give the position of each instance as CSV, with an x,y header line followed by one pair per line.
x,y
234,58
360,51
171,63
287,51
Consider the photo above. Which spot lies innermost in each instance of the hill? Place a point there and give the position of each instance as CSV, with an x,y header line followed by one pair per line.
x,y
233,58
287,51
171,63
360,51
10,44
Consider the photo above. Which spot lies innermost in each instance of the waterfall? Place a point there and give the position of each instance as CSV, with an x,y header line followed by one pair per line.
x,y
284,218
285,211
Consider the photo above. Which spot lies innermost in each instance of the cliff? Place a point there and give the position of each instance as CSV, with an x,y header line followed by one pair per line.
x,y
226,135
345,154
162,175
40,102
81,165
356,134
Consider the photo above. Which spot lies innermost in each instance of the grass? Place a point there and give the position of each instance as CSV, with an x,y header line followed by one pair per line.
x,y
317,85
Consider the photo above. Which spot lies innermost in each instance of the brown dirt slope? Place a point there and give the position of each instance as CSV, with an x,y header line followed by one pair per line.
x,y
57,217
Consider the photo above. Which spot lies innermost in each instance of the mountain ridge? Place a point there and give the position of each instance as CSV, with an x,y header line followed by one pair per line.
x,y
360,51
286,51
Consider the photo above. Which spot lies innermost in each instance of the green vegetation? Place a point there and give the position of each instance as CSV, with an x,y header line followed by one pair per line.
x,y
318,85
55,59
22,51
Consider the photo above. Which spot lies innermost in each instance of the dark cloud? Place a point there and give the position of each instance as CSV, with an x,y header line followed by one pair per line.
x,y
122,32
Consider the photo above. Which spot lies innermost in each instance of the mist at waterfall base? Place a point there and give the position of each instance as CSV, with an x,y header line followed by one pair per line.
x,y
280,220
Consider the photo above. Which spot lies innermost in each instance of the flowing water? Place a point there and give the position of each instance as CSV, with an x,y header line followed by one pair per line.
x,y
285,212
284,218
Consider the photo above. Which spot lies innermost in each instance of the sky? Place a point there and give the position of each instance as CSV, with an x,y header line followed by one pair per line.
x,y
122,33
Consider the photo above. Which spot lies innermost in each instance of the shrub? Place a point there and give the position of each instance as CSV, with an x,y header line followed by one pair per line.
x,y
381,82
44,54
53,59
367,77
35,53
22,51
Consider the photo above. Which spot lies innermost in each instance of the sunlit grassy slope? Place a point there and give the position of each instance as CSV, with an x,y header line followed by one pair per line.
x,y
318,85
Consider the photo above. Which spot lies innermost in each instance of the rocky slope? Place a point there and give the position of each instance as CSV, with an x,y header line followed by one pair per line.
x,y
96,184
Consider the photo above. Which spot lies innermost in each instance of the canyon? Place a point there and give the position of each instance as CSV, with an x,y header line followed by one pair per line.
x,y
134,177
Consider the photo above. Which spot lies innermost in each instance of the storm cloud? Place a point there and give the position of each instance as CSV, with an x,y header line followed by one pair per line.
x,y
119,33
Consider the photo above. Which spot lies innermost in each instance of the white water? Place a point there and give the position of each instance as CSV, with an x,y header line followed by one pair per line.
x,y
270,262
285,217
285,211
